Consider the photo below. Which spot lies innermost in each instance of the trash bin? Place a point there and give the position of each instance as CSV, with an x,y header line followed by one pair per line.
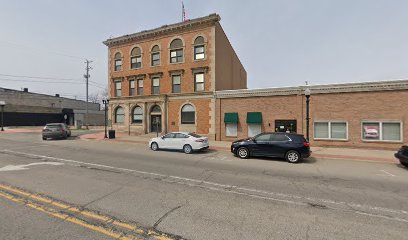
x,y
111,134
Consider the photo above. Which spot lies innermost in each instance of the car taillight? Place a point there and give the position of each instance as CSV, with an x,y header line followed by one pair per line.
x,y
200,140
306,144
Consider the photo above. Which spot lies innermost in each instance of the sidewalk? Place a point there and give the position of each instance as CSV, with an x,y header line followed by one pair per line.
x,y
364,155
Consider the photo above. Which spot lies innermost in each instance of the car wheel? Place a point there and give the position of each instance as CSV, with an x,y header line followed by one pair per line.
x,y
44,138
187,149
292,156
404,163
154,146
243,152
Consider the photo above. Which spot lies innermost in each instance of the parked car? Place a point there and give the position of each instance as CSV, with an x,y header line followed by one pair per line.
x,y
56,130
293,147
402,155
188,142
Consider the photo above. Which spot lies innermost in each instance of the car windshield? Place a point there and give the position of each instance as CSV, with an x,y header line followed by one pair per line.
x,y
53,126
194,135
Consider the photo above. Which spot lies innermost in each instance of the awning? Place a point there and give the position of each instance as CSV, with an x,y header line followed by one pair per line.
x,y
231,117
254,117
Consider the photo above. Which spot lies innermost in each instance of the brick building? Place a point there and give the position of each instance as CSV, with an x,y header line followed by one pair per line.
x,y
187,77
164,79
24,108
369,115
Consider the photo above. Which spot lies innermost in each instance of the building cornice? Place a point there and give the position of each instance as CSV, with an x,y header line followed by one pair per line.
x,y
317,89
166,29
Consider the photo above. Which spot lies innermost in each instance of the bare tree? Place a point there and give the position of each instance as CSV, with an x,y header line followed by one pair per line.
x,y
95,97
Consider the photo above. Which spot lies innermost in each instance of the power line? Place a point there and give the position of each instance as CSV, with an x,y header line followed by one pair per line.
x,y
35,77
48,78
42,81
43,51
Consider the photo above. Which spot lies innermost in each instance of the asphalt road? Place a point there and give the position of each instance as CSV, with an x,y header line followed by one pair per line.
x,y
210,195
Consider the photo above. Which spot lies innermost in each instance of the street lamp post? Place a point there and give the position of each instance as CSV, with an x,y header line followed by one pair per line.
x,y
307,94
106,102
2,104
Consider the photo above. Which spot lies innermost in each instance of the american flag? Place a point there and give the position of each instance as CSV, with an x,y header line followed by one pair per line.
x,y
183,14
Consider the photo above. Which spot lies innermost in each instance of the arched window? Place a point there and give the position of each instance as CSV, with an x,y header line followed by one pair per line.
x,y
137,115
119,115
156,109
188,114
118,62
199,50
136,58
176,51
155,55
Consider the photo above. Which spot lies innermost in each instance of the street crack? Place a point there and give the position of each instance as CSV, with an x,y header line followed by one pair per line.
x,y
164,216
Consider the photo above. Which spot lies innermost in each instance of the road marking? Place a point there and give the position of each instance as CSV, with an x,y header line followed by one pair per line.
x,y
43,204
249,192
389,174
25,166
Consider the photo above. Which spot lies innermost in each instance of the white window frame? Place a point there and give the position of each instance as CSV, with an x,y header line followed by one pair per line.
x,y
236,129
329,129
381,131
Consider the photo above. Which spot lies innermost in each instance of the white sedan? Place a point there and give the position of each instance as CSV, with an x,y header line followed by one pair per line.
x,y
188,142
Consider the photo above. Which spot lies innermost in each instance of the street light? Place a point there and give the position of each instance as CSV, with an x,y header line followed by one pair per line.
x,y
307,94
2,104
105,103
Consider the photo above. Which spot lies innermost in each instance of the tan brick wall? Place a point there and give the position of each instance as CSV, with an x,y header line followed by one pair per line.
x,y
272,108
230,73
358,107
350,107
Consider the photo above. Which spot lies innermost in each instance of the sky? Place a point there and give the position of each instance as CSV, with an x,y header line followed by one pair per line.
x,y
44,43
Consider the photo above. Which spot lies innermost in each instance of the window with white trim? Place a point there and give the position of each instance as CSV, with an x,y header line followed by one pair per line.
x,y
330,130
381,131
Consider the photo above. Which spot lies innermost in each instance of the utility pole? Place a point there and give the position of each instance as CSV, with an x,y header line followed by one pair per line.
x,y
87,76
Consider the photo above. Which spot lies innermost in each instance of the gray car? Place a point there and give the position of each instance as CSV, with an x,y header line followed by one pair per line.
x,y
56,131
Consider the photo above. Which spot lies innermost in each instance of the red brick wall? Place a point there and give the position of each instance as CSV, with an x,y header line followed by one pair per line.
x,y
202,114
187,79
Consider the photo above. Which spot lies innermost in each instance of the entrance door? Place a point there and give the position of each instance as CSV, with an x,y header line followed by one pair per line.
x,y
155,123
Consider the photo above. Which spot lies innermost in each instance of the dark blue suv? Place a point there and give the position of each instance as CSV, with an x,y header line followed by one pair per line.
x,y
293,147
402,155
